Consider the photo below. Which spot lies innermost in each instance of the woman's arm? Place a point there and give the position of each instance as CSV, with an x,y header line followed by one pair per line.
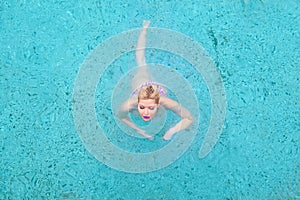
x,y
186,117
127,121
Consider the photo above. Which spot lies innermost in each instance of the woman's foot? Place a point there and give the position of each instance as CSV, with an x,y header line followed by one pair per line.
x,y
146,23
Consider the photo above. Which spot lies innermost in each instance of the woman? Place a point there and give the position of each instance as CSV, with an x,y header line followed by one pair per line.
x,y
148,96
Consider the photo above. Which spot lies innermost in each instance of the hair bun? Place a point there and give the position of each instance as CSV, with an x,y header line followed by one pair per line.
x,y
150,89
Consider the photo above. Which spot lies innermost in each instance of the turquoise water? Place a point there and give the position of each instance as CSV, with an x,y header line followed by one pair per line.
x,y
255,45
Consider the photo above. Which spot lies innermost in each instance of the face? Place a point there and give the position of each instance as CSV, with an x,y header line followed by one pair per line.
x,y
147,109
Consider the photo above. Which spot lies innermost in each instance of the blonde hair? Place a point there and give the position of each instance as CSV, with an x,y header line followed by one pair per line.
x,y
149,92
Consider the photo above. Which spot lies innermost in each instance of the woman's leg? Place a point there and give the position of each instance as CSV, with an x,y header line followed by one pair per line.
x,y
142,75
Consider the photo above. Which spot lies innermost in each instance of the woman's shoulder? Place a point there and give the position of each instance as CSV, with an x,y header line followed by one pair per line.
x,y
129,104
168,102
133,100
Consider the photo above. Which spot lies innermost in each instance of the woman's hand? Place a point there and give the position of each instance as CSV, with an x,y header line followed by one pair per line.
x,y
168,135
145,135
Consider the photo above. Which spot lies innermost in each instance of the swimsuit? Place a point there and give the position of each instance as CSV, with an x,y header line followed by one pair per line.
x,y
161,90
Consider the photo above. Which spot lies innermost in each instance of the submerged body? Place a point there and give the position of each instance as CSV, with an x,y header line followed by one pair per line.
x,y
148,96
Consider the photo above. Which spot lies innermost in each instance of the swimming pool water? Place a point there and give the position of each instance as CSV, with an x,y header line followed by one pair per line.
x,y
255,45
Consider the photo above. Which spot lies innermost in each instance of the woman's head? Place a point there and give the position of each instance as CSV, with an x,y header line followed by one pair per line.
x,y
149,92
148,101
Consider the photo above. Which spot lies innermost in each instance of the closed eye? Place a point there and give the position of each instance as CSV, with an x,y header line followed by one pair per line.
x,y
142,107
